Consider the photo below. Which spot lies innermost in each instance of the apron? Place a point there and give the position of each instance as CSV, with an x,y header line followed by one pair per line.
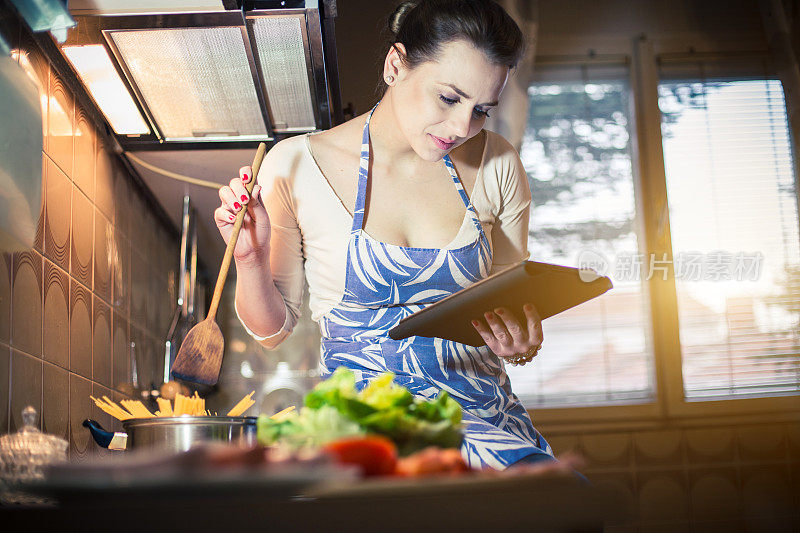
x,y
385,283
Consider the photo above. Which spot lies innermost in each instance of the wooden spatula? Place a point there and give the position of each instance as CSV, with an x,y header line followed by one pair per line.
x,y
200,357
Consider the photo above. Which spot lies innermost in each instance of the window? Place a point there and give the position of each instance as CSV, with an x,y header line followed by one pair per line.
x,y
734,227
577,153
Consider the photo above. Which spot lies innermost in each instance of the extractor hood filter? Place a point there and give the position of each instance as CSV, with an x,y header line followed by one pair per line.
x,y
281,56
196,82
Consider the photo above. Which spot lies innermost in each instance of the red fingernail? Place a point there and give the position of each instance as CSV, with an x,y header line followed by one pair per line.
x,y
498,311
475,323
245,178
528,307
237,205
488,315
244,198
232,218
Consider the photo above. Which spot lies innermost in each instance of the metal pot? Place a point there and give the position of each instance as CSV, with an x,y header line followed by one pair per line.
x,y
177,433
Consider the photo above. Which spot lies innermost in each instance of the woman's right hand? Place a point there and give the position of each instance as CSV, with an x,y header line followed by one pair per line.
x,y
252,245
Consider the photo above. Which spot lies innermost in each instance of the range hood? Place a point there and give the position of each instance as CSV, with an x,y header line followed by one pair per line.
x,y
226,78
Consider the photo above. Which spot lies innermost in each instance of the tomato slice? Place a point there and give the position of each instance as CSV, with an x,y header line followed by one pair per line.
x,y
377,456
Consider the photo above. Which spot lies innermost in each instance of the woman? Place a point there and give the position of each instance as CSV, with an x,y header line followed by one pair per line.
x,y
368,211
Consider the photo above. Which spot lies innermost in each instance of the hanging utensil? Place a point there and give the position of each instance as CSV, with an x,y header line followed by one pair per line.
x,y
200,357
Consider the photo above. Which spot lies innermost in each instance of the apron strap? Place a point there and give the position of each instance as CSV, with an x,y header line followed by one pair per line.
x,y
451,168
363,176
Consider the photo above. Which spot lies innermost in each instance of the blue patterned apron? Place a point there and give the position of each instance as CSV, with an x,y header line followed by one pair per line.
x,y
385,283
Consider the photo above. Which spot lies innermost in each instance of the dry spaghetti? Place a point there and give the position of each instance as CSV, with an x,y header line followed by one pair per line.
x,y
184,405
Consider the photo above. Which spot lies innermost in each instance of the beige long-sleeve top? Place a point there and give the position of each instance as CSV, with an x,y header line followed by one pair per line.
x,y
311,226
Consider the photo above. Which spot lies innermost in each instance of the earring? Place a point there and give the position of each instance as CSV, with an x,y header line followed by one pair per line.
x,y
390,79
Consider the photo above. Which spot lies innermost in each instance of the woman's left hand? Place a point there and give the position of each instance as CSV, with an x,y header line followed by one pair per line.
x,y
505,336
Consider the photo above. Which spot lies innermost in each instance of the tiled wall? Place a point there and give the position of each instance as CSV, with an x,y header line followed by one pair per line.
x,y
94,293
732,478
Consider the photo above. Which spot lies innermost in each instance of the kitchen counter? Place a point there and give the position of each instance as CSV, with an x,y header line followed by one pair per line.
x,y
524,503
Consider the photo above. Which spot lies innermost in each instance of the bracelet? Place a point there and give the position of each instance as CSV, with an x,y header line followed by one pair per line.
x,y
523,358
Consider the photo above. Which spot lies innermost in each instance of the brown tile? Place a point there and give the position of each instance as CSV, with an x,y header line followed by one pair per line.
x,y
562,444
58,213
81,237
621,529
621,487
56,315
80,330
55,401
121,353
105,420
150,242
38,238
711,445
169,265
172,287
135,356
83,173
103,249
5,297
168,254
658,447
155,250
168,304
117,396
701,526
101,345
762,441
60,125
26,307
606,449
80,408
26,387
662,496
104,180
140,287
37,67
158,361
788,523
794,470
122,199
155,305
129,285
121,272
5,386
142,368
142,224
715,493
148,371
767,491
793,437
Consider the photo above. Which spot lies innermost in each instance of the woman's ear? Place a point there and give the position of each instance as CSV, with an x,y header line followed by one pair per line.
x,y
394,66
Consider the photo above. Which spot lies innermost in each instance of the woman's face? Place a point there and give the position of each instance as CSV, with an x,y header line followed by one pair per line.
x,y
441,104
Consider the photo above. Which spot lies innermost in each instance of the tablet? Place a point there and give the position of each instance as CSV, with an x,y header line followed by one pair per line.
x,y
551,288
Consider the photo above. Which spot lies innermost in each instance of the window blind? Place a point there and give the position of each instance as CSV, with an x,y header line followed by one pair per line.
x,y
734,226
577,153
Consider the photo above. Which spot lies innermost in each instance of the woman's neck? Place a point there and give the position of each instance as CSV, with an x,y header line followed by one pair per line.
x,y
389,145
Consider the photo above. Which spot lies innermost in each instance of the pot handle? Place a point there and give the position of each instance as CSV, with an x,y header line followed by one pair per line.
x,y
106,439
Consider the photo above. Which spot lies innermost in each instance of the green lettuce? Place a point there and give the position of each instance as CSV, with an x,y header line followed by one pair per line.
x,y
309,427
335,409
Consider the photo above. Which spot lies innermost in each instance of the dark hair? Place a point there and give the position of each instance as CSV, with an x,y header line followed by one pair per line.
x,y
424,27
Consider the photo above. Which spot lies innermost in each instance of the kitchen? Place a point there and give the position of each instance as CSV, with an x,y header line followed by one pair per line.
x,y
673,416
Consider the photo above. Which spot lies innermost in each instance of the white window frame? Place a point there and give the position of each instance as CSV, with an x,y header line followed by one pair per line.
x,y
650,187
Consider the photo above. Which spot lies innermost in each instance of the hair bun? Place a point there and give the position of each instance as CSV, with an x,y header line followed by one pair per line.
x,y
396,19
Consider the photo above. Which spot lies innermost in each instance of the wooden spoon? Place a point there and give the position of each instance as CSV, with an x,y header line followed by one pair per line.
x,y
200,357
